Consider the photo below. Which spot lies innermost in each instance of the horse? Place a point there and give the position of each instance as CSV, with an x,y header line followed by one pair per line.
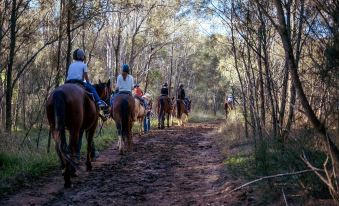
x,y
226,109
182,109
70,107
165,107
139,112
123,114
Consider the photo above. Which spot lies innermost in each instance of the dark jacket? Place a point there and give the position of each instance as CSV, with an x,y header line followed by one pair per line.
x,y
181,94
164,91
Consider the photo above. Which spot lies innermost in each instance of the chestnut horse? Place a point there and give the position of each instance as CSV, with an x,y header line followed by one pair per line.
x,y
139,112
70,107
182,109
165,107
122,112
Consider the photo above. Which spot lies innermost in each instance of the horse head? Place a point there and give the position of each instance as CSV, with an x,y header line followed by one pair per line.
x,y
189,105
104,90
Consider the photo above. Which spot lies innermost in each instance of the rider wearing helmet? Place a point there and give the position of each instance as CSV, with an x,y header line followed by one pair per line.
x,y
181,92
125,82
182,96
137,91
78,72
164,90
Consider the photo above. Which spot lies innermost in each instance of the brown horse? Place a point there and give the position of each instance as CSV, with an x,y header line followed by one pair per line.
x,y
70,107
226,109
165,107
182,109
122,111
139,112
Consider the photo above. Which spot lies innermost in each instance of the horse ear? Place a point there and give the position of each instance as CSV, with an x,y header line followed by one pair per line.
x,y
108,83
99,81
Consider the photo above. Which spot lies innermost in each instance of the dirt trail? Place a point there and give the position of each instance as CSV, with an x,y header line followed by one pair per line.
x,y
175,166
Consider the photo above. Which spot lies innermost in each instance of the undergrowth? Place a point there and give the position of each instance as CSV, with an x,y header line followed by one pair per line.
x,y
251,158
22,161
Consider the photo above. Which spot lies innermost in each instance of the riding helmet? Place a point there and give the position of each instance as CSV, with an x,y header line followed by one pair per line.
x,y
79,55
125,68
165,85
181,85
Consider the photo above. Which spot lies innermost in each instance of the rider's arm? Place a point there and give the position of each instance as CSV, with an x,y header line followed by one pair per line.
x,y
86,77
85,74
132,85
118,83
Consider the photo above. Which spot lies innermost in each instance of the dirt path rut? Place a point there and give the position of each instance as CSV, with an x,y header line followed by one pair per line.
x,y
175,166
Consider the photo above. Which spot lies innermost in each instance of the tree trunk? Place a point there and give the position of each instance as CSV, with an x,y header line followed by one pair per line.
x,y
332,149
9,89
234,51
69,36
58,69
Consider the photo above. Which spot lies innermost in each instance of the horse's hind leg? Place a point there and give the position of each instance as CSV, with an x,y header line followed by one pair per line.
x,y
67,176
89,136
120,141
128,135
159,120
168,119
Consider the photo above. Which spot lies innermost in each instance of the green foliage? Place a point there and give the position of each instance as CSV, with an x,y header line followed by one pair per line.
x,y
20,166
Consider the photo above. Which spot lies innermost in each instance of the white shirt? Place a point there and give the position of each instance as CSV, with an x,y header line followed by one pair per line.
x,y
230,99
76,70
125,85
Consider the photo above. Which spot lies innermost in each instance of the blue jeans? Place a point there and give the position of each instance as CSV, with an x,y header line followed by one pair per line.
x,y
147,124
91,89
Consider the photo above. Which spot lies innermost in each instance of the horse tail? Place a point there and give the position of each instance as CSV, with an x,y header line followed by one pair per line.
x,y
59,102
125,113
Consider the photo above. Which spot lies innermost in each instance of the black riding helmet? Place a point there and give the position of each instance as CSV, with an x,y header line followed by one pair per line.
x,y
79,55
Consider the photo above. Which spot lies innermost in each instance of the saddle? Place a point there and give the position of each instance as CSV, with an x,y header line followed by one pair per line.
x,y
82,85
141,101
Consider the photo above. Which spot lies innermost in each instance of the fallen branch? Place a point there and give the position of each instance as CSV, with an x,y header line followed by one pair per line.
x,y
273,176
285,200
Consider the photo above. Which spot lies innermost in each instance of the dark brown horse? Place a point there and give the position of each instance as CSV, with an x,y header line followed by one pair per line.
x,y
122,111
226,109
165,107
70,107
182,109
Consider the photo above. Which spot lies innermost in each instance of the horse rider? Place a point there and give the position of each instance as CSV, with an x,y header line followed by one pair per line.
x,y
78,72
182,95
125,81
164,90
138,93
230,101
